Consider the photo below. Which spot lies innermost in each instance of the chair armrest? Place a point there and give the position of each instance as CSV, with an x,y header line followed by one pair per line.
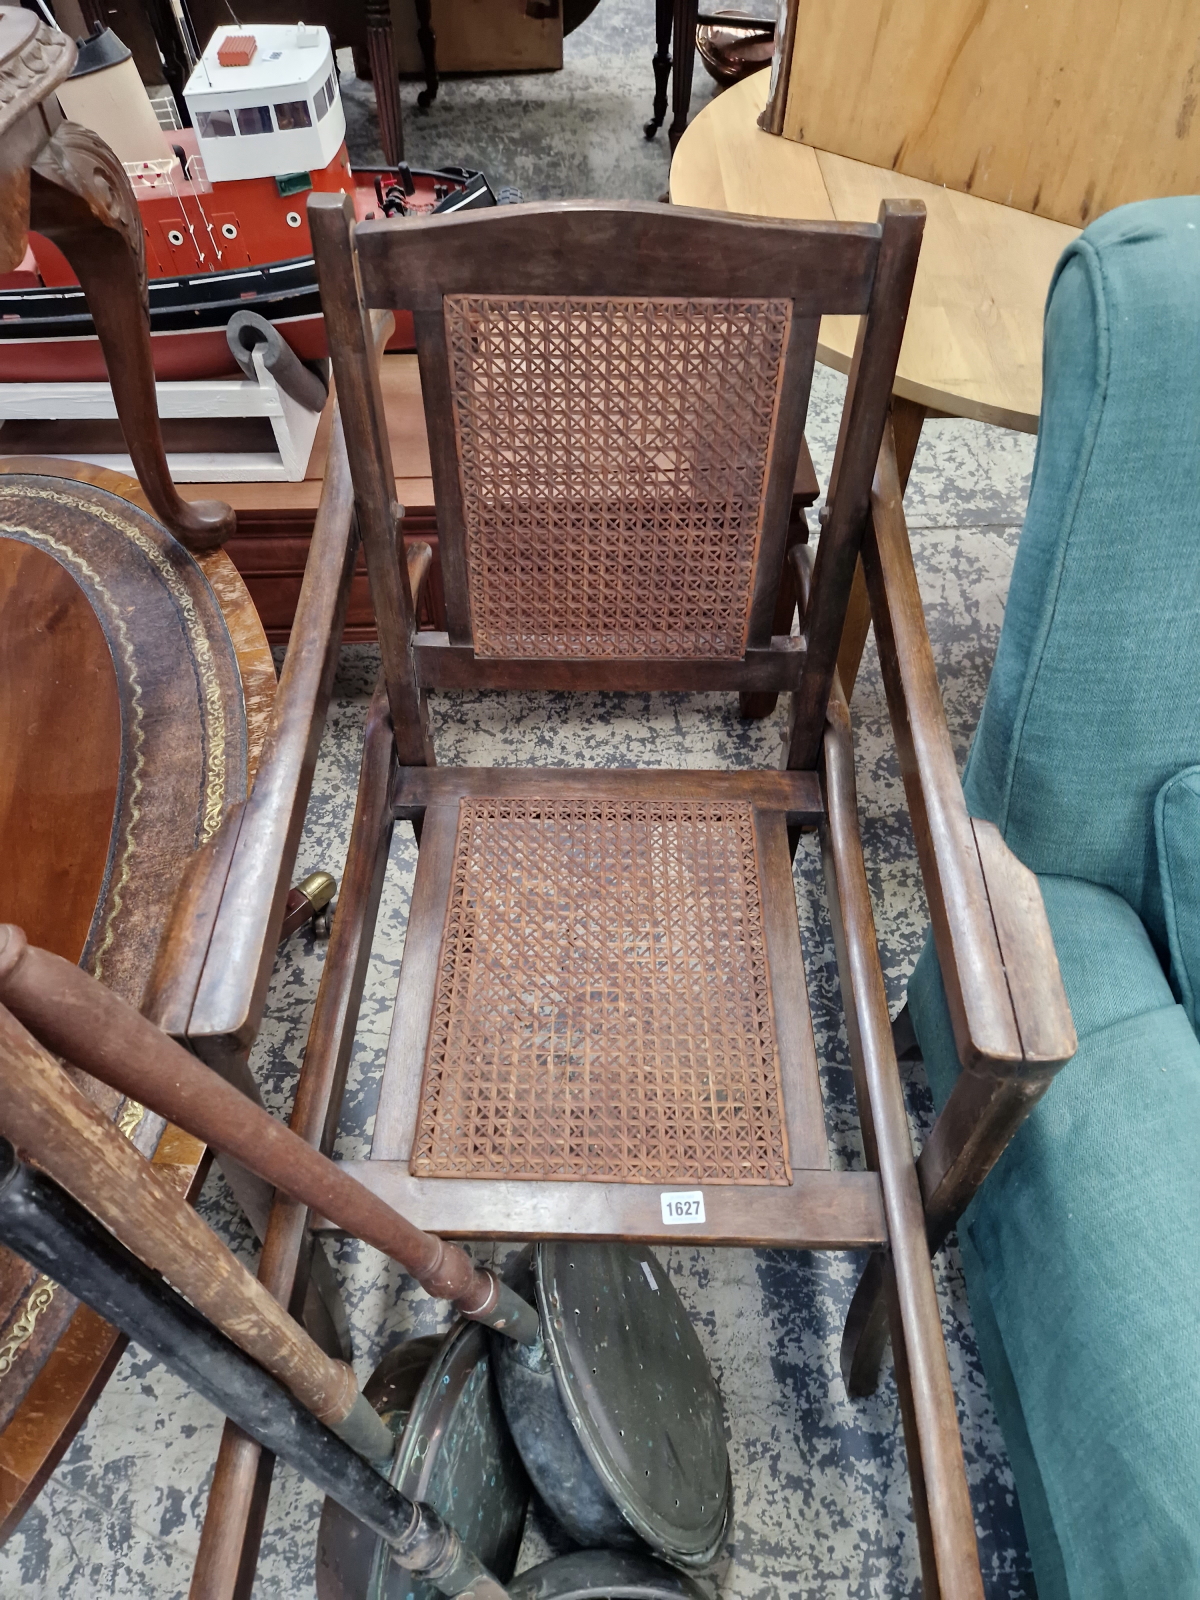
x,y
1012,1024
214,960
1006,996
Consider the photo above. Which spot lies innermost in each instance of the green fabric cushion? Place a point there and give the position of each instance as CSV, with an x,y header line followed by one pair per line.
x,y
1082,1268
1095,697
1035,1513
1177,835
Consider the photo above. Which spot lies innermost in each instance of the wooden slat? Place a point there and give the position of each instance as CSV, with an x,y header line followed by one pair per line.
x,y
443,665
976,991
950,1558
808,1145
430,327
598,248
785,473
353,346
395,1119
211,975
795,794
817,1211
229,1539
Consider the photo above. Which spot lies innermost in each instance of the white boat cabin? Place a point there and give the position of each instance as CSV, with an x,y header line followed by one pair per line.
x,y
264,101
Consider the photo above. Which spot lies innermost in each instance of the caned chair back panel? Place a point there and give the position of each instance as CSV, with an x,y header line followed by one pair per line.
x,y
614,462
615,398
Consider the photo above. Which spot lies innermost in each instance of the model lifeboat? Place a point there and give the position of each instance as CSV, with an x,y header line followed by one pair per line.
x,y
222,203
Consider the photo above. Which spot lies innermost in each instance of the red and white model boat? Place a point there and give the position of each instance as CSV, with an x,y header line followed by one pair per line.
x,y
223,204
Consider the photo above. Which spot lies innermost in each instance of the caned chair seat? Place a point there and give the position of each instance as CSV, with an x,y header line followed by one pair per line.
x,y
618,991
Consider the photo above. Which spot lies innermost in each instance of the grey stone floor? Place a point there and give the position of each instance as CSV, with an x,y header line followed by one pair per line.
x,y
821,1494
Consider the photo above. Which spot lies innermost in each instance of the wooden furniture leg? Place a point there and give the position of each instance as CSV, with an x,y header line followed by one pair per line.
x,y
907,420
81,200
685,12
427,40
664,16
383,75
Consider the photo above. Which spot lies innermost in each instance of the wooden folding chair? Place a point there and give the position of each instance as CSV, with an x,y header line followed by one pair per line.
x,y
602,1025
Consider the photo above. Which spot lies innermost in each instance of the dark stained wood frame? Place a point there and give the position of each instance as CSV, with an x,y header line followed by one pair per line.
x,y
641,250
1012,1024
237,1503
209,984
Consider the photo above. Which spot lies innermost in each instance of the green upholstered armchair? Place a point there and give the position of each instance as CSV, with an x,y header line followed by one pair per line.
x,y
1082,1248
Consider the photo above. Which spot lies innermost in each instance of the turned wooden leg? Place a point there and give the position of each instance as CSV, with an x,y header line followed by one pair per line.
x,y
907,417
427,40
81,199
383,75
685,59
664,17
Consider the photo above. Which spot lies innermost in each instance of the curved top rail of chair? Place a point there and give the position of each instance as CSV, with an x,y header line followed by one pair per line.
x,y
584,247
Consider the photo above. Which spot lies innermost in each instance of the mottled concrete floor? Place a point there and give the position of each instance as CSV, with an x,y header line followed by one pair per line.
x,y
821,1493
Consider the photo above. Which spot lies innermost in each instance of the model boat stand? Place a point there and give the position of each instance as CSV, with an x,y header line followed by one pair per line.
x,y
274,384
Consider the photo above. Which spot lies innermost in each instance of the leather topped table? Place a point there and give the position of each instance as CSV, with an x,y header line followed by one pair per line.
x,y
135,690
973,343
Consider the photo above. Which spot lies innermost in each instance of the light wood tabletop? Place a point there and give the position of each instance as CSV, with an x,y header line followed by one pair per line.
x,y
973,347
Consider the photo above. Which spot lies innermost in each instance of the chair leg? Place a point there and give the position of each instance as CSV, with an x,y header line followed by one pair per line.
x,y
685,60
427,40
941,1498
381,49
931,1586
664,15
81,199
865,1336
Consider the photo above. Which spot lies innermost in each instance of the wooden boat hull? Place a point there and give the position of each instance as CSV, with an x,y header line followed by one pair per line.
x,y
47,334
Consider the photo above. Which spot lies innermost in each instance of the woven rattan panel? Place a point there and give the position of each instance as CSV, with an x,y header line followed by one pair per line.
x,y
603,1009
613,456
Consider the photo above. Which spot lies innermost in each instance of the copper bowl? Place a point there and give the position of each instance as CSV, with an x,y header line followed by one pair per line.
x,y
732,53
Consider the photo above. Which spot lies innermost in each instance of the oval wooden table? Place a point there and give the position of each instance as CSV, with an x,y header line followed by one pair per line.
x,y
973,343
135,688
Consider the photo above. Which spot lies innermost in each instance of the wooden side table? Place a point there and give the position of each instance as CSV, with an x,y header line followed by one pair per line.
x,y
973,345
